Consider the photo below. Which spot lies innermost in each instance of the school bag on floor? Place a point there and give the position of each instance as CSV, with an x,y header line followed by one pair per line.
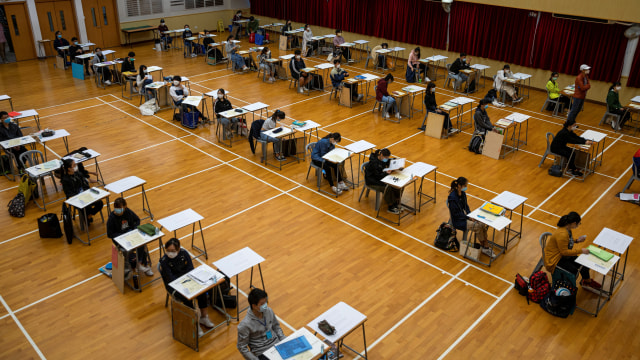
x,y
538,286
16,206
446,238
475,145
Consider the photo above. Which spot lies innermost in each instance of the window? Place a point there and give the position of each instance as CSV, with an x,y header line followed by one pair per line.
x,y
195,4
62,22
142,7
93,16
50,21
104,15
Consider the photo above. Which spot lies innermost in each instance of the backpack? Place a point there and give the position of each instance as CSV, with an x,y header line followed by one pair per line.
x,y
539,286
446,238
561,301
67,222
16,206
475,145
281,72
410,75
522,285
555,170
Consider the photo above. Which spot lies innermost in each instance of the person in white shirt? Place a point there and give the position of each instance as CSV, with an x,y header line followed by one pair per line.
x,y
142,80
307,41
501,84
270,124
180,92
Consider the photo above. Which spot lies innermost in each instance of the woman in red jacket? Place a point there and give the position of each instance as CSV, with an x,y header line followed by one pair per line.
x,y
383,96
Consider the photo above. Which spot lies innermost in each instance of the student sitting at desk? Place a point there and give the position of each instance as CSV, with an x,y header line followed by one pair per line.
x,y
175,263
121,221
461,63
295,67
178,93
373,175
567,136
381,59
614,106
128,66
286,27
501,83
458,210
322,147
554,93
221,105
560,250
188,44
142,80
269,124
207,39
232,53
481,120
338,74
432,106
100,58
60,42
164,38
74,182
308,44
382,95
268,68
217,54
415,67
10,130
74,50
260,329
337,41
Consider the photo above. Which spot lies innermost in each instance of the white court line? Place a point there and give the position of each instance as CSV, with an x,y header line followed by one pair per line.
x,y
606,191
72,102
24,331
68,111
58,292
475,323
549,197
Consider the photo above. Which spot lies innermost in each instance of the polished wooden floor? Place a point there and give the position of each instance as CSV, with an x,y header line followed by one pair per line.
x,y
421,303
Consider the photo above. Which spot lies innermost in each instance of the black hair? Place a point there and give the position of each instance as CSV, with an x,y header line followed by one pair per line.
x,y
384,45
141,70
459,181
256,295
187,25
335,136
463,55
568,123
265,50
389,77
97,48
58,32
239,12
3,113
131,54
384,152
229,37
251,18
74,38
417,50
506,66
482,103
297,52
172,242
336,61
338,31
431,85
161,20
223,92
306,26
176,77
278,114
120,202
66,165
616,83
570,218
552,75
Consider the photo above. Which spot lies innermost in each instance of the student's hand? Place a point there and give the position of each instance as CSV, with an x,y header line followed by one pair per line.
x,y
582,238
401,169
589,142
585,251
389,171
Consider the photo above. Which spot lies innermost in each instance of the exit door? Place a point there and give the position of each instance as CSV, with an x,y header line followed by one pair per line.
x,y
101,22
21,39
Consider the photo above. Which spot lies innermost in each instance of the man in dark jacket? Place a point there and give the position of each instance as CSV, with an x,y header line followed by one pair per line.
x,y
461,63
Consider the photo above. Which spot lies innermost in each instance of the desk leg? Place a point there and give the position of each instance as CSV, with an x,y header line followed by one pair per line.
x,y
193,233
100,178
146,208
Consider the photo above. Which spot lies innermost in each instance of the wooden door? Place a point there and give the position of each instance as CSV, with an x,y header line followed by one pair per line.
x,y
20,30
93,21
48,23
66,19
109,23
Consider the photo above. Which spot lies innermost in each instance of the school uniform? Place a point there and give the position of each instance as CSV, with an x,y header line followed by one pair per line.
x,y
481,121
165,38
295,67
431,106
121,224
458,210
455,68
12,131
373,175
270,124
337,76
58,43
323,146
187,43
255,335
171,269
73,185
382,95
106,73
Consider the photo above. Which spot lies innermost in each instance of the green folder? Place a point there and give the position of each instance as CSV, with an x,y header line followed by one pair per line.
x,y
148,229
600,253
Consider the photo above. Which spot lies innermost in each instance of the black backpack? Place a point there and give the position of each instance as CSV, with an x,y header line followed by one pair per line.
x,y
555,170
67,222
446,238
475,145
16,206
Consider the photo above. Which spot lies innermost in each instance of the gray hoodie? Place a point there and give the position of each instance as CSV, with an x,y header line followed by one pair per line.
x,y
252,334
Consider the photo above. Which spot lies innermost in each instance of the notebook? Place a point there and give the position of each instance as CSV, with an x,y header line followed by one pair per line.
x,y
293,347
492,209
600,253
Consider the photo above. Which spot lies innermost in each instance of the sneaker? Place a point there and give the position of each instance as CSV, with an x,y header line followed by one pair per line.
x,y
351,61
336,190
393,210
517,100
301,90
272,79
145,269
342,186
453,131
194,55
398,115
200,332
245,68
206,322
576,173
385,115
107,82
591,283
360,97
489,252
613,124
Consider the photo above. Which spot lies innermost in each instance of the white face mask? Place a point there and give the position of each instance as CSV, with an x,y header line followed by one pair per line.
x,y
618,88
264,308
220,96
75,169
297,57
338,66
587,72
433,89
176,82
171,254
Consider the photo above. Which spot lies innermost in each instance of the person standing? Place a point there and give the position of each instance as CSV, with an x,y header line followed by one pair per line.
x,y
580,92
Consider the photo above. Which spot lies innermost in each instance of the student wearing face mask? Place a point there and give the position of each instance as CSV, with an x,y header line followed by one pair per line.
x,y
180,92
432,106
308,44
582,85
461,63
295,67
501,84
10,130
221,105
188,44
459,209
58,42
253,26
373,175
268,68
322,147
339,40
554,93
104,71
165,38
382,95
142,80
232,52
121,221
175,263
260,329
74,182
567,136
338,74
614,106
128,64
237,26
269,124
481,119
74,50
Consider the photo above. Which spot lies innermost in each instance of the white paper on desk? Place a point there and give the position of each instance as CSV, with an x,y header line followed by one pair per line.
x,y
398,179
419,169
337,155
521,76
629,197
134,239
395,164
192,100
613,240
359,146
203,274
517,117
508,200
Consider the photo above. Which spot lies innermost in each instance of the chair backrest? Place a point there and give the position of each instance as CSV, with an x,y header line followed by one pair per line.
x,y
636,171
549,140
448,66
309,148
543,242
363,166
31,158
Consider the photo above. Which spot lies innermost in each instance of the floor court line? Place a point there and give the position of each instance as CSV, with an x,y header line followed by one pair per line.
x,y
24,331
72,102
550,196
606,191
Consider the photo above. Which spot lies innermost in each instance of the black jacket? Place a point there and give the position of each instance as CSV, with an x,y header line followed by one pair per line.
x,y
59,43
121,224
564,137
11,132
74,184
374,171
222,106
128,65
457,66
286,27
172,269
482,121
430,101
458,210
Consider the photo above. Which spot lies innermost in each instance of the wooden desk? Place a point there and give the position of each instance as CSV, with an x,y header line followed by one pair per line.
x,y
346,320
497,141
403,104
138,29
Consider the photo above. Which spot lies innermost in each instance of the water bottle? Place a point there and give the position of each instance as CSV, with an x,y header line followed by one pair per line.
x,y
135,281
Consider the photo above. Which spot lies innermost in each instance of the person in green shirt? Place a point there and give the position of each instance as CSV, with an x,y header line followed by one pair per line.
x,y
614,106
554,93
253,25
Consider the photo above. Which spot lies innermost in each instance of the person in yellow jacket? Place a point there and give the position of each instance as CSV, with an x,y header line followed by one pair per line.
x,y
560,250
554,93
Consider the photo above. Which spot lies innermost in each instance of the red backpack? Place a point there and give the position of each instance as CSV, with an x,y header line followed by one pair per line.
x,y
538,286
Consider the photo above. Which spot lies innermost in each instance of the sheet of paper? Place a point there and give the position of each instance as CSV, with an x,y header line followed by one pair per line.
x,y
191,286
203,274
613,240
14,142
180,220
395,164
134,239
629,197
360,146
337,155
238,262
192,100
508,200
517,117
419,169
125,184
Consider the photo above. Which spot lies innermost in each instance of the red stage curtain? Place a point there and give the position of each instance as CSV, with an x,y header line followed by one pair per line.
x,y
634,74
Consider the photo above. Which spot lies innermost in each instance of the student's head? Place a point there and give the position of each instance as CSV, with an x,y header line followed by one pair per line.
x,y
288,22
506,68
306,27
484,104
463,56
239,12
616,86
98,51
384,45
278,115
570,125
431,87
554,76
383,154
258,300
251,18
334,138
69,166
161,21
570,221
388,78
131,55
186,26
221,93
119,206
142,70
265,51
460,184
229,38
176,80
58,35
172,248
206,32
4,117
297,53
338,32
586,69
336,63
417,51
74,40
